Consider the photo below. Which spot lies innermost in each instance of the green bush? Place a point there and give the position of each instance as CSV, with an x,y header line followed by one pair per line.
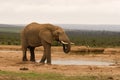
x,y
82,38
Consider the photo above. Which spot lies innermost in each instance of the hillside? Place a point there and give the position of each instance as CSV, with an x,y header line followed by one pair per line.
x,y
115,28
10,35
10,28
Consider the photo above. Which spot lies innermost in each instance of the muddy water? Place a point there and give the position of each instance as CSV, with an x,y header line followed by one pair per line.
x,y
81,62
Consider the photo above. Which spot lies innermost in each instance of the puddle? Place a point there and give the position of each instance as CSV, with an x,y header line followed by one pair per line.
x,y
81,62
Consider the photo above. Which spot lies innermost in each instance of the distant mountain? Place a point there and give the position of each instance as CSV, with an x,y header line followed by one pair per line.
x,y
10,25
73,27
91,27
10,28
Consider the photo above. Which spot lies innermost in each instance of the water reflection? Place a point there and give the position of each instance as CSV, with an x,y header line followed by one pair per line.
x,y
81,62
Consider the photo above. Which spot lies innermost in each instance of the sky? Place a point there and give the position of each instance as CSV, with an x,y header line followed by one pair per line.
x,y
60,11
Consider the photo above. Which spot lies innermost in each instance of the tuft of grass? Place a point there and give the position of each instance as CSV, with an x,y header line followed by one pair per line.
x,y
6,75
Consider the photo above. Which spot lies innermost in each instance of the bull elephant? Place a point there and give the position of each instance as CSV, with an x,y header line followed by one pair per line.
x,y
35,34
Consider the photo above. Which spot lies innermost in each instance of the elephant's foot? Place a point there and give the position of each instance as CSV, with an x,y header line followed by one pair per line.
x,y
24,59
39,64
33,60
43,62
48,63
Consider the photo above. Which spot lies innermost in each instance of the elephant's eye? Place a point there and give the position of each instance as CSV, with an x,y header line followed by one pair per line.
x,y
58,33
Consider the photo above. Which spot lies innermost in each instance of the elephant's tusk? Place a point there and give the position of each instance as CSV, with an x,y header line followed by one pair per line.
x,y
72,43
63,42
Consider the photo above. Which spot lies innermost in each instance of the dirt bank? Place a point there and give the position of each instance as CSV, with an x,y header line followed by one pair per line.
x,y
11,61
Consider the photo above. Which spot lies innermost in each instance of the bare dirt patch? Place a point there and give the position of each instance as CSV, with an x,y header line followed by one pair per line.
x,y
11,60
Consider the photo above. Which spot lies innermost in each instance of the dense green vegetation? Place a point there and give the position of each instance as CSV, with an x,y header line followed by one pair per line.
x,y
11,36
95,38
5,75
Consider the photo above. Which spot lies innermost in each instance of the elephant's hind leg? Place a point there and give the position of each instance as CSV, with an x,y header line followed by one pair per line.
x,y
32,54
24,54
24,48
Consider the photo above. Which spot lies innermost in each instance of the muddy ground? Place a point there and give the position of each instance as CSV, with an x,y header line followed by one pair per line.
x,y
11,60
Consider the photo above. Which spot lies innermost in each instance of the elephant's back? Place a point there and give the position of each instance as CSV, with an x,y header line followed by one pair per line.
x,y
32,29
31,34
32,26
38,27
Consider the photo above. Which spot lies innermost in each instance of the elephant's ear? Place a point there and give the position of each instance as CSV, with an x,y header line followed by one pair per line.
x,y
46,35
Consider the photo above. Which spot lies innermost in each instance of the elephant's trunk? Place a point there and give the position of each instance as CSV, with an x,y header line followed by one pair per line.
x,y
66,48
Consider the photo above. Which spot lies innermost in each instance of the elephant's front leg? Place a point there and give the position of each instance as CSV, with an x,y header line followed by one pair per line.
x,y
47,53
43,58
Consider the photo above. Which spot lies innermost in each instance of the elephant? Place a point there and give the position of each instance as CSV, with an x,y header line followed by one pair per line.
x,y
36,34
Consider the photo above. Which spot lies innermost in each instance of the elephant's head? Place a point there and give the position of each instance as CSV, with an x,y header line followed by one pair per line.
x,y
60,35
56,33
